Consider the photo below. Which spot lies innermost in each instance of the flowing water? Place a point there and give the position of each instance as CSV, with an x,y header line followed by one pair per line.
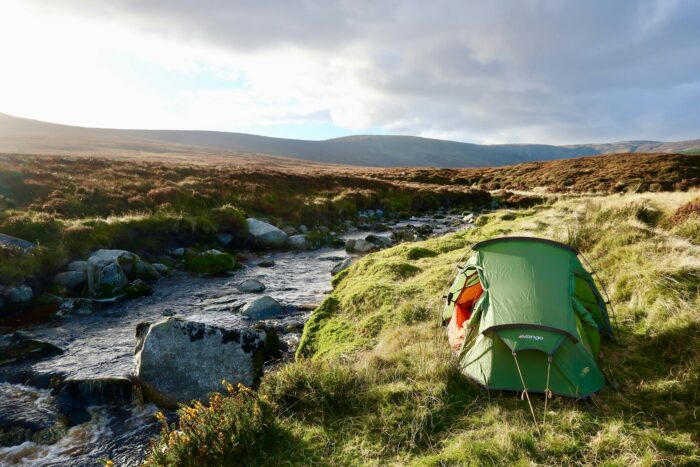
x,y
100,347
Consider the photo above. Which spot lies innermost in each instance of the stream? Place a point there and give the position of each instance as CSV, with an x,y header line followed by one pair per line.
x,y
101,346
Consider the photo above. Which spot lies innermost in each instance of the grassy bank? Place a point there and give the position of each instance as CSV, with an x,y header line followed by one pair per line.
x,y
375,383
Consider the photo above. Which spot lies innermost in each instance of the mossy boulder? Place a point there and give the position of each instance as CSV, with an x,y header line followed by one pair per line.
x,y
109,272
210,262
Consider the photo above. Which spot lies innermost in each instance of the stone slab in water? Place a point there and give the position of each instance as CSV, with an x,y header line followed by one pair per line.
x,y
24,347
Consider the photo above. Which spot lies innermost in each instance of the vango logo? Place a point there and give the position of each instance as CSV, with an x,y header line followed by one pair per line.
x,y
531,337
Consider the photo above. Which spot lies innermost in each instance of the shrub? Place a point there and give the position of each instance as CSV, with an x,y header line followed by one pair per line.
x,y
227,431
688,210
231,219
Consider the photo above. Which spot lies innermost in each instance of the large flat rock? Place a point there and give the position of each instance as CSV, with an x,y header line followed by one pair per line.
x,y
178,361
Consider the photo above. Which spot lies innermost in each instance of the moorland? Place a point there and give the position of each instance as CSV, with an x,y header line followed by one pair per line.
x,y
373,381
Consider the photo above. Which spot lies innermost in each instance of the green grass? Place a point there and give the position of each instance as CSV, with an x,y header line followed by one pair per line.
x,y
375,383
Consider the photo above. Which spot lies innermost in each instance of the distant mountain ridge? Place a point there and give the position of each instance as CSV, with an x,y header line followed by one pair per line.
x,y
25,136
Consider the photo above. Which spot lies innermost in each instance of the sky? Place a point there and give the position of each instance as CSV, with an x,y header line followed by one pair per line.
x,y
491,71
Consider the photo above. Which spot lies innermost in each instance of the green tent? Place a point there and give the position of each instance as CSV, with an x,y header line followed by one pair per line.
x,y
524,314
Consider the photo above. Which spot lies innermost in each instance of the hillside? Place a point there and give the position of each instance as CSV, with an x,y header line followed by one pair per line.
x,y
18,135
375,383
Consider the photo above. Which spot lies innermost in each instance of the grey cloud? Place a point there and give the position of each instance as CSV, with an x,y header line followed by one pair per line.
x,y
555,71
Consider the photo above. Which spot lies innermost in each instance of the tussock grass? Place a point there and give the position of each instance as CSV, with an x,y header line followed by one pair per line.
x,y
375,383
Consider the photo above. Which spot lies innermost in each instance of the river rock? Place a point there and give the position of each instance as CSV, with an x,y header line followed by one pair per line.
x,y
344,264
75,306
266,263
162,269
404,235
299,242
251,286
264,234
303,229
178,361
363,246
224,239
379,240
109,271
80,266
350,245
106,279
262,308
14,243
70,279
178,252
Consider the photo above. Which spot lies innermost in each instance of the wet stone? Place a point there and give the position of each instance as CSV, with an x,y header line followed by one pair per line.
x,y
251,286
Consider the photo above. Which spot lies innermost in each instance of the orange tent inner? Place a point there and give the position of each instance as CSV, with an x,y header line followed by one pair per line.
x,y
464,304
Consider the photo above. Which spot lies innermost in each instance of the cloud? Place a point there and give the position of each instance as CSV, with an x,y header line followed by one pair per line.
x,y
490,71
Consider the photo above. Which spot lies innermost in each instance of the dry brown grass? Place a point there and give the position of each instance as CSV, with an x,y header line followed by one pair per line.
x,y
595,174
